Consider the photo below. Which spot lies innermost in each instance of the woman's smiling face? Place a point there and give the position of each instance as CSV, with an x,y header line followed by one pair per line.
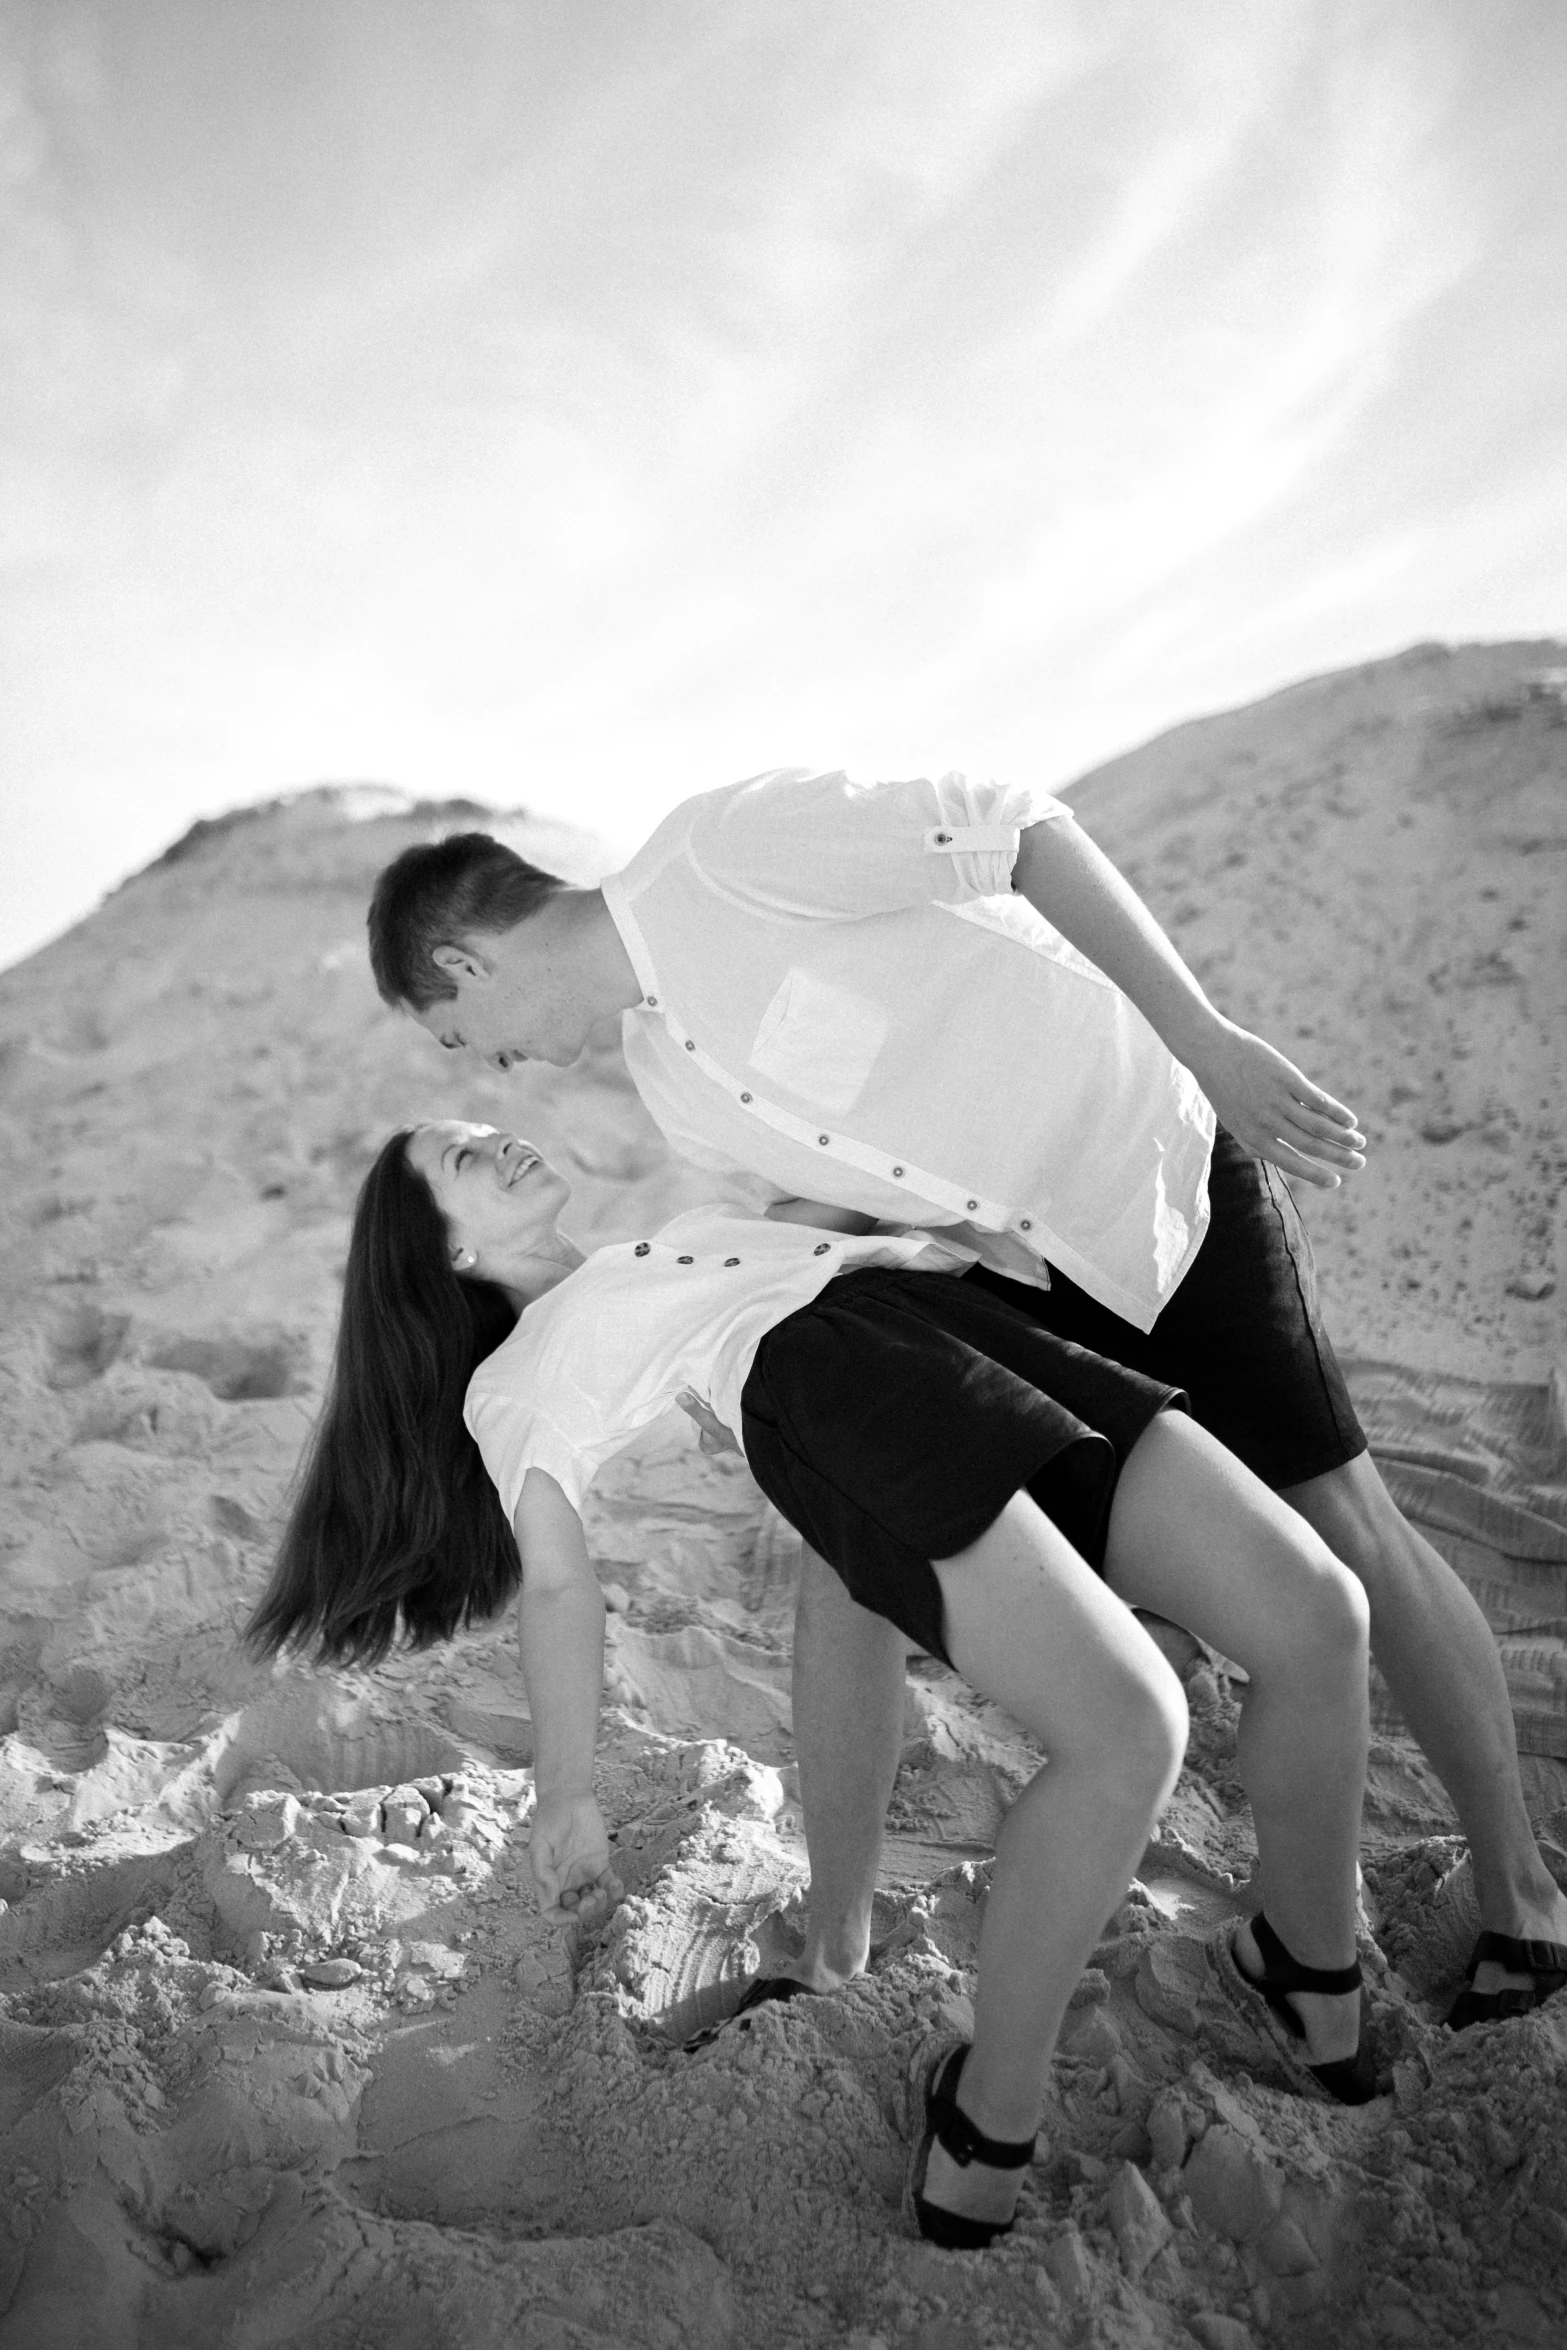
x,y
500,1198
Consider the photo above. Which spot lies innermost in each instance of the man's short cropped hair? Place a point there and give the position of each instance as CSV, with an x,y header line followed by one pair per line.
x,y
437,893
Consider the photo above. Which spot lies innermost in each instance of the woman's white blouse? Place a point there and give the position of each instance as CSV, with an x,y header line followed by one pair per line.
x,y
600,1356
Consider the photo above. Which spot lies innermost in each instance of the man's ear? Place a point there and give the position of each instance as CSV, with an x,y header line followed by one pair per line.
x,y
463,962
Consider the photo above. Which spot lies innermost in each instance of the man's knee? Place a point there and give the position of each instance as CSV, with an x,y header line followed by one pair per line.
x,y
824,1609
817,1582
1356,1516
848,1666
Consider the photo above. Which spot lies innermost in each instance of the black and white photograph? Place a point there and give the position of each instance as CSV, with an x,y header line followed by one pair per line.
x,y
783,1254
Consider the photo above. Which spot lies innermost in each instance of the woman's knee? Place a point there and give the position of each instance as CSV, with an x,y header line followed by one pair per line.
x,y
1137,1726
1324,1609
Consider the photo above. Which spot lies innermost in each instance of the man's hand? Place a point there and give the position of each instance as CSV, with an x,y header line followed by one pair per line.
x,y
570,1860
1275,1110
1265,1101
712,1436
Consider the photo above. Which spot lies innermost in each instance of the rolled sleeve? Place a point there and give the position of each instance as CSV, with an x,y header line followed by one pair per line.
x,y
979,830
824,846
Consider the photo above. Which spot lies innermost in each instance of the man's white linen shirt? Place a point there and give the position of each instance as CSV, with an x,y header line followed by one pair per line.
x,y
603,1353
843,997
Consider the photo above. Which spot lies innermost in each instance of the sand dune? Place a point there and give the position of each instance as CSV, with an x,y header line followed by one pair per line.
x,y
1368,868
289,2057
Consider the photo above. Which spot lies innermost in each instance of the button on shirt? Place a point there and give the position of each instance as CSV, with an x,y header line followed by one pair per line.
x,y
842,996
603,1353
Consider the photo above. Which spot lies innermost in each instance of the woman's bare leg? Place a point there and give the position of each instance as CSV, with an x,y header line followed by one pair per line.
x,y
1195,1536
1029,1624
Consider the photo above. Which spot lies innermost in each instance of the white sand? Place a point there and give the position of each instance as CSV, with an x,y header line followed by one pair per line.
x,y
289,2058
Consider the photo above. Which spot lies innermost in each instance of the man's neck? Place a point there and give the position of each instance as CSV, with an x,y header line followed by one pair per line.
x,y
584,931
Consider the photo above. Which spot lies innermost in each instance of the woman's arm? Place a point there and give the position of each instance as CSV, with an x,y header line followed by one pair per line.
x,y
560,1627
1264,1100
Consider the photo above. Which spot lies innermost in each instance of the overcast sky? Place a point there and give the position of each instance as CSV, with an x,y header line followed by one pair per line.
x,y
582,403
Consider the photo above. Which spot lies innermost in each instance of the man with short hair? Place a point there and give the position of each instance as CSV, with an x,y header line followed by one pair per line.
x,y
938,1004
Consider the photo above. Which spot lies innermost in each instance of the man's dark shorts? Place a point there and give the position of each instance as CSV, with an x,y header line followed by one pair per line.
x,y
1242,1335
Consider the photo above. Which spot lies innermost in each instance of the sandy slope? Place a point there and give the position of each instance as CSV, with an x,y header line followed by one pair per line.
x,y
1370,869
288,2057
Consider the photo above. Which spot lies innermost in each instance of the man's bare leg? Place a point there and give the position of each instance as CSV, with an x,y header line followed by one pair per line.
x,y
848,1733
1439,1658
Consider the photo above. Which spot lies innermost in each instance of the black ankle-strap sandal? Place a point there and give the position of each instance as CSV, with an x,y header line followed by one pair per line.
x,y
1349,2079
1545,1961
944,2123
759,1992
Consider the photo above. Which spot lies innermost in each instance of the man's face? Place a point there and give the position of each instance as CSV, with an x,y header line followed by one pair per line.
x,y
506,1009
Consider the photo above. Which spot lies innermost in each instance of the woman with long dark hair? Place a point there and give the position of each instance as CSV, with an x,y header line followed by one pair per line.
x,y
1003,1497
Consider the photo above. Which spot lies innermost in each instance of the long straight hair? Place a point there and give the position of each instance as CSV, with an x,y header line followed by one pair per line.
x,y
395,1527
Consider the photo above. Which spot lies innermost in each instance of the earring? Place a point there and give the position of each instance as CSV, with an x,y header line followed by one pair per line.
x,y
464,1261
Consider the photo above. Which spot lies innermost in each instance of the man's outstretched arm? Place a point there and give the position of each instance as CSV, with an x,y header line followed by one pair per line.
x,y
1265,1101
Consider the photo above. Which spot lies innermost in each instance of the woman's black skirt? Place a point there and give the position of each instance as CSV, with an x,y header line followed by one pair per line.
x,y
893,1418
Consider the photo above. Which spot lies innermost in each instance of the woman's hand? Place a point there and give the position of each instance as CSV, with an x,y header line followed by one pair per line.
x,y
712,1435
569,1855
1275,1110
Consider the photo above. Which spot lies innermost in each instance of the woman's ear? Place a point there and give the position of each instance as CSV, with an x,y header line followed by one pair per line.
x,y
464,1259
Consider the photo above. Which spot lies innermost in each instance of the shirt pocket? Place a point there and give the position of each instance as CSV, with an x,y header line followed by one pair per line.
x,y
819,1041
